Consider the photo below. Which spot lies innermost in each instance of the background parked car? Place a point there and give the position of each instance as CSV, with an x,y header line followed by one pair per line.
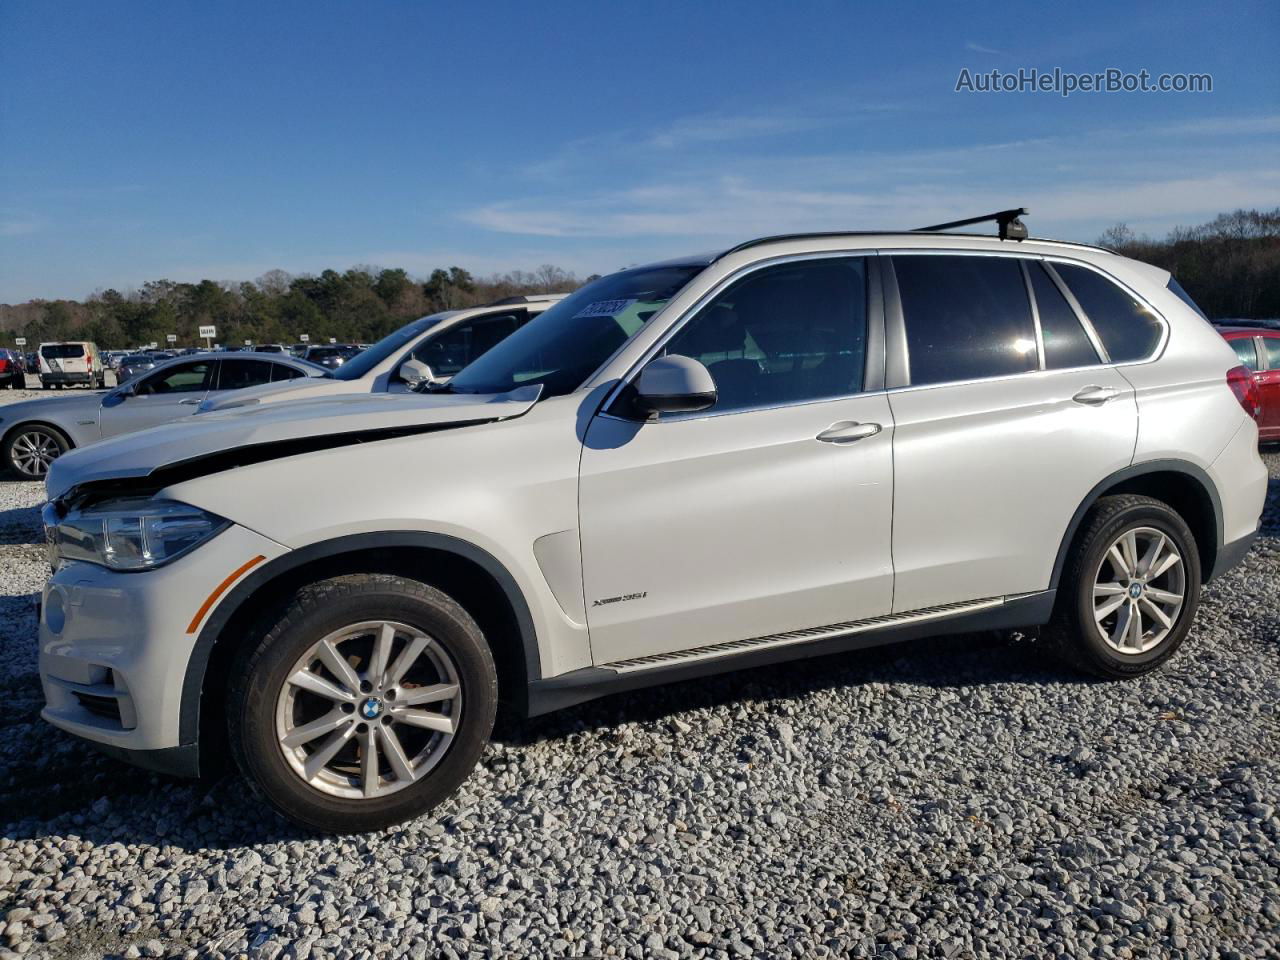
x,y
13,369
33,434
444,343
1259,349
69,362
134,364
330,355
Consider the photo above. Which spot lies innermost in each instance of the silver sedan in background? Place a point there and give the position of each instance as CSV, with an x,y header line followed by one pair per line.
x,y
35,433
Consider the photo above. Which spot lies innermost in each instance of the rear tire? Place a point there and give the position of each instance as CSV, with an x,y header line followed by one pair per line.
x,y
420,732
1130,589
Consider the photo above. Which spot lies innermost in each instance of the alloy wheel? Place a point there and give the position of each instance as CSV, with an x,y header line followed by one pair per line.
x,y
32,453
369,709
1138,590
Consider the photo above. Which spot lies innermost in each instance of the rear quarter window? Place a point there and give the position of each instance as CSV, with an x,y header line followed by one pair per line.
x,y
1127,329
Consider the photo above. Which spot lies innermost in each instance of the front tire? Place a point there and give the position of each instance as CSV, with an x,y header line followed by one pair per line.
x,y
1130,589
30,450
365,701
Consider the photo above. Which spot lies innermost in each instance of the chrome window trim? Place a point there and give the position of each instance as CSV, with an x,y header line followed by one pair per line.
x,y
634,370
1074,306
1156,351
1099,350
1035,313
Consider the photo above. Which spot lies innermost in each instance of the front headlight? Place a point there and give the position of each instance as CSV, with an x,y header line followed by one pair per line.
x,y
136,534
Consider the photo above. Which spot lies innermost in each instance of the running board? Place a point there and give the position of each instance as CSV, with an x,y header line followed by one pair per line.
x,y
998,613
829,632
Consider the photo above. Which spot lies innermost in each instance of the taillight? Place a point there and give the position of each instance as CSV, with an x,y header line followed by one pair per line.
x,y
1240,380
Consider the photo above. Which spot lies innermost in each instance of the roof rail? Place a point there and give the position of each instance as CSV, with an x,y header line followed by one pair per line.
x,y
1011,228
526,298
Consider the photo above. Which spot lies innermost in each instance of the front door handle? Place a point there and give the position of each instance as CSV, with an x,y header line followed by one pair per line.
x,y
1096,396
191,402
848,431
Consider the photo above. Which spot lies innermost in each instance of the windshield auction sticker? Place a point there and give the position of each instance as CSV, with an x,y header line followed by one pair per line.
x,y
604,308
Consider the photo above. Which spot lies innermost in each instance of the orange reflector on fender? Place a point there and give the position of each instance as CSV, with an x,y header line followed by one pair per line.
x,y
222,588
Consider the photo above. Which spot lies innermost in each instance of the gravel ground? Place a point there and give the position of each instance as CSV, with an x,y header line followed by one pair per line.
x,y
948,798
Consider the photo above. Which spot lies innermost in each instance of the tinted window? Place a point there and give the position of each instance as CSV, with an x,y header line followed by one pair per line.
x,y
966,317
1272,346
785,334
1127,329
180,378
1065,342
280,372
62,351
237,374
456,347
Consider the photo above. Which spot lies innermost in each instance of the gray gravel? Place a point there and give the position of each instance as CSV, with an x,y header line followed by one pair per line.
x,y
949,798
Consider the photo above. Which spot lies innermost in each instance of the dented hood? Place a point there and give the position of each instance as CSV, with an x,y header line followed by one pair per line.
x,y
267,431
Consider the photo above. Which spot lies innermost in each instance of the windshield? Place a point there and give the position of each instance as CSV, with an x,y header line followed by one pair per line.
x,y
568,343
366,360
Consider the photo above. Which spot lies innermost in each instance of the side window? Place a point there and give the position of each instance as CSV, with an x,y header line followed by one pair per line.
x,y
1272,346
1065,342
280,371
1127,329
966,317
1247,352
237,374
184,378
791,333
458,346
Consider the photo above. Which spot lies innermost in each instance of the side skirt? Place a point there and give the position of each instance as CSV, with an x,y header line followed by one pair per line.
x,y
579,686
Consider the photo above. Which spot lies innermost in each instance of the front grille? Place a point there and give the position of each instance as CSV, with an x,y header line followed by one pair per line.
x,y
106,707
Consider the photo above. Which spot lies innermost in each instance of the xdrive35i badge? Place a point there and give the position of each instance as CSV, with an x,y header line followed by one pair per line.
x,y
625,596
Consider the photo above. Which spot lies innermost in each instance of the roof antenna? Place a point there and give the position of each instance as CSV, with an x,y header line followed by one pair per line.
x,y
1011,228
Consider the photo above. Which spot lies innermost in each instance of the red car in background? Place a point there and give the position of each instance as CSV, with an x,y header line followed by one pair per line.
x,y
12,369
1259,349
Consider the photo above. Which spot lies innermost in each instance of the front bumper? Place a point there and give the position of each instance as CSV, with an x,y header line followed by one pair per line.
x,y
114,648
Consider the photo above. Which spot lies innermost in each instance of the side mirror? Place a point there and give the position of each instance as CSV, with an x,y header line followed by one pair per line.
x,y
674,384
416,373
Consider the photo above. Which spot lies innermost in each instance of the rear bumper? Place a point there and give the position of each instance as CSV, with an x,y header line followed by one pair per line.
x,y
1231,554
66,377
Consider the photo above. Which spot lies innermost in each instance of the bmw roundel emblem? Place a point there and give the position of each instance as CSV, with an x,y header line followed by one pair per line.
x,y
371,708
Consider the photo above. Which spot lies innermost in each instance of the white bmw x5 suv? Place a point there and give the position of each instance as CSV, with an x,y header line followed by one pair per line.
x,y
802,445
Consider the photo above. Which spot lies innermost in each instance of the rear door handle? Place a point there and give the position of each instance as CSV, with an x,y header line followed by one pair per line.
x,y
1096,396
848,431
191,402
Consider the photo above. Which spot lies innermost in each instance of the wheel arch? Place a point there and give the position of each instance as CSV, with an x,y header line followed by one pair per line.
x,y
472,576
1184,486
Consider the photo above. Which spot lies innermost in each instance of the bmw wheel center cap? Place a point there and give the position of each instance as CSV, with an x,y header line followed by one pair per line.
x,y
371,708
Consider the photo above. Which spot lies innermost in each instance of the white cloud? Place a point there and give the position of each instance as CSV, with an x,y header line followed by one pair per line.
x,y
19,226
979,48
1153,176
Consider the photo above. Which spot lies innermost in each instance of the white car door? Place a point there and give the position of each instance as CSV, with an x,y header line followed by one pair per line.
x,y
993,449
158,397
767,513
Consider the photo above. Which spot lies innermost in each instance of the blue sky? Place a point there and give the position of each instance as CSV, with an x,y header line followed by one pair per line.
x,y
186,140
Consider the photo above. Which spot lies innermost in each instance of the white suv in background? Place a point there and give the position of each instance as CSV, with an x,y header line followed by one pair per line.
x,y
422,353
804,444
